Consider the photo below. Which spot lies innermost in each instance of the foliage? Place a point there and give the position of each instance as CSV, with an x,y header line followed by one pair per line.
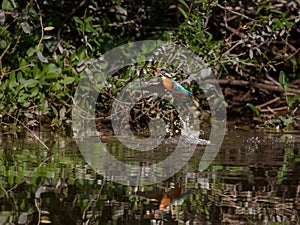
x,y
37,83
253,46
44,50
254,42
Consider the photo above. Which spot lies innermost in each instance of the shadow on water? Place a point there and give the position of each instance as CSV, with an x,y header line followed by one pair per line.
x,y
255,179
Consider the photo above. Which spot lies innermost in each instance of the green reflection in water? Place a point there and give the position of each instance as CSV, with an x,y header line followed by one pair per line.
x,y
254,179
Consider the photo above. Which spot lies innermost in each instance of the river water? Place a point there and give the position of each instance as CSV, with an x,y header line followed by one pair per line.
x,y
254,179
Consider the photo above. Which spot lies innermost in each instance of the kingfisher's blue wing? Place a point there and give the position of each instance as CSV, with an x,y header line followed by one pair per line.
x,y
176,84
180,87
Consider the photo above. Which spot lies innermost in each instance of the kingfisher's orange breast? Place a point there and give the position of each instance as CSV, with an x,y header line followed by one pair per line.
x,y
167,83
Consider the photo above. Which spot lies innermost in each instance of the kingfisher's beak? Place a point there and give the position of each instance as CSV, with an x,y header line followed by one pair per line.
x,y
156,69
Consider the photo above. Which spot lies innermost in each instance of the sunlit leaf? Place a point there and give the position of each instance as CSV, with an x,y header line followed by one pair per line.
x,y
121,13
41,57
258,50
49,28
24,216
26,27
2,17
47,37
251,54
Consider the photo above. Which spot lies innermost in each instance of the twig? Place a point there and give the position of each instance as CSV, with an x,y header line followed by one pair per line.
x,y
267,103
42,163
257,85
95,199
279,89
2,55
5,28
234,31
234,12
27,128
236,44
68,18
23,67
120,24
228,82
41,23
26,177
273,80
269,109
37,205
5,50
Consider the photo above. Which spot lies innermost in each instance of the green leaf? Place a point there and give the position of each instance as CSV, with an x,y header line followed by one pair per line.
x,y
54,110
293,60
52,68
184,3
283,80
10,179
51,76
23,98
77,20
277,12
8,5
67,80
58,87
183,12
34,91
3,44
19,76
88,20
255,110
261,7
30,83
33,50
37,73
265,55
44,106
12,83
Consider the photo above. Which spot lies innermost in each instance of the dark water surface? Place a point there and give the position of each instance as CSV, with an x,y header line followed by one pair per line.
x,y
254,179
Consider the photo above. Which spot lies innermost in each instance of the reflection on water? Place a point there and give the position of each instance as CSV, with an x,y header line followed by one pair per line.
x,y
255,179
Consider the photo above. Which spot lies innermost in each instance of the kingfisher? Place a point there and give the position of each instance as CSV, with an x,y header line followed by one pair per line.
x,y
169,83
173,196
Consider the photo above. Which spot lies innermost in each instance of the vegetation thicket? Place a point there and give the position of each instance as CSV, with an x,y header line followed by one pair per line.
x,y
252,46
